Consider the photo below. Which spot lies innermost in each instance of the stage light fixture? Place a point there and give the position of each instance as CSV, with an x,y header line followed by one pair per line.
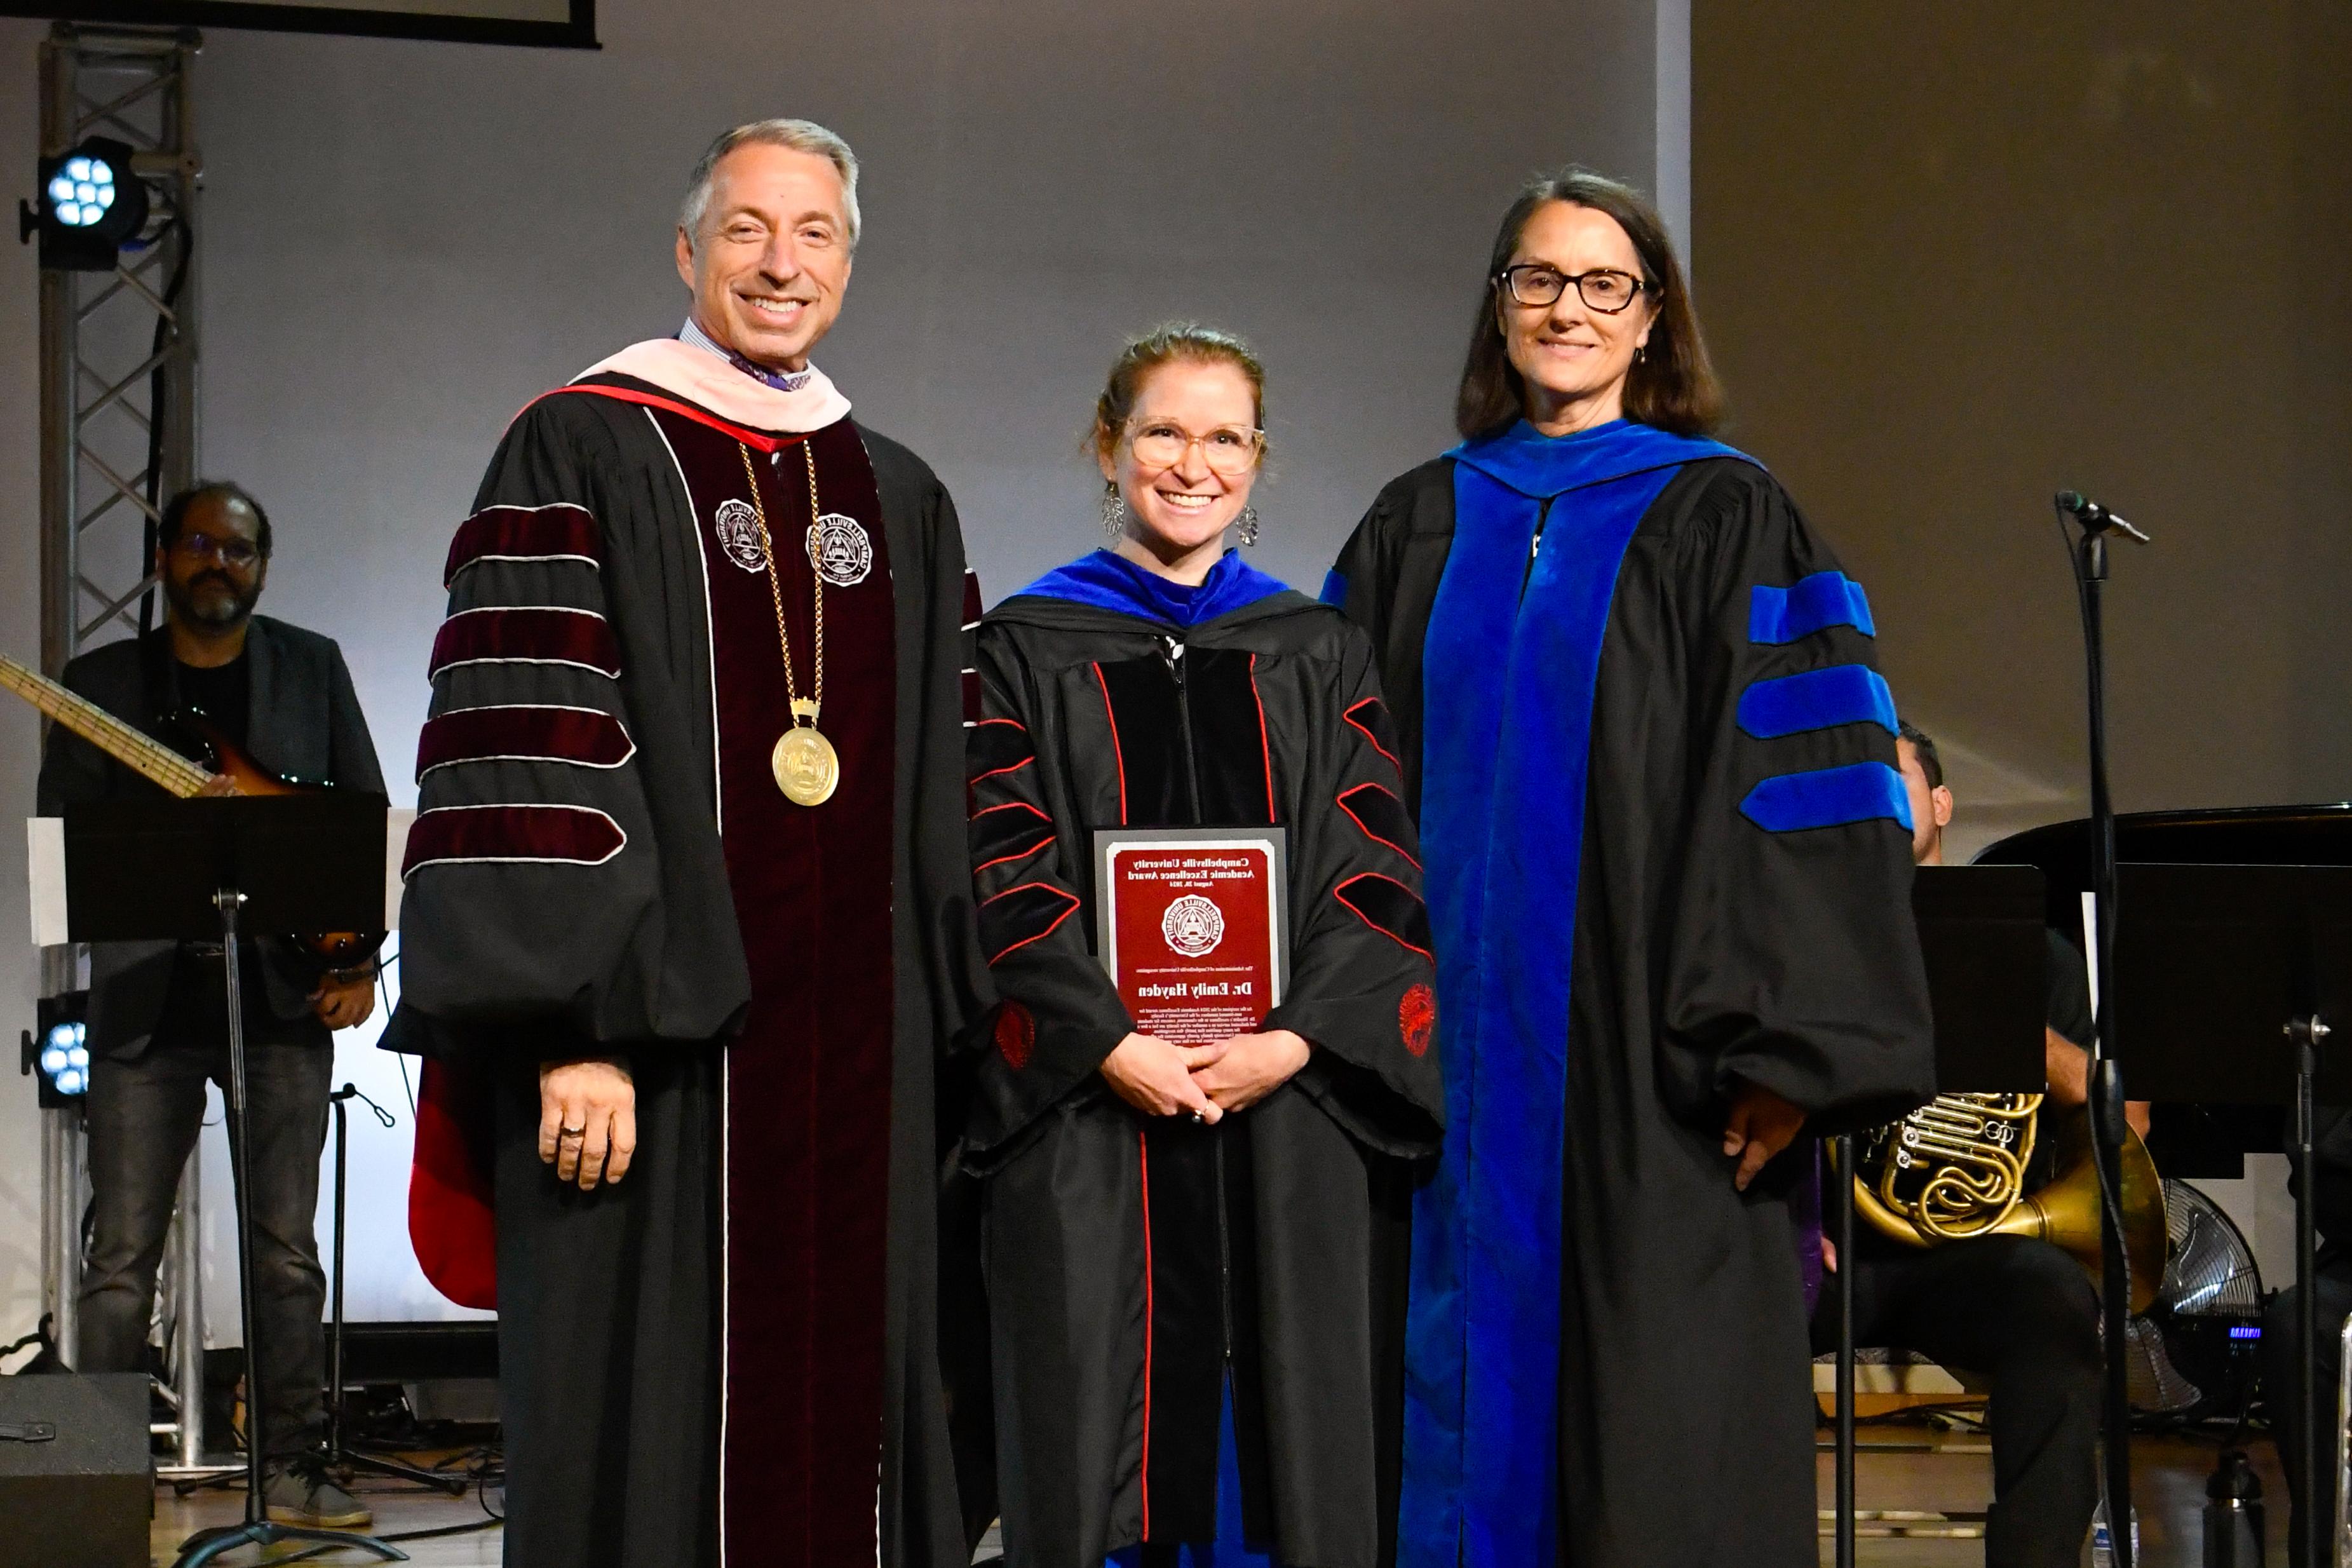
x,y
92,203
57,1053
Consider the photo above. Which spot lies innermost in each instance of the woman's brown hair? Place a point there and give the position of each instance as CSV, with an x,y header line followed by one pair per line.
x,y
1671,387
1188,342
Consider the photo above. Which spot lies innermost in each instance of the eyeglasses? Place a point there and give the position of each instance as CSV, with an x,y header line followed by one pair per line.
x,y
1604,289
1228,450
237,552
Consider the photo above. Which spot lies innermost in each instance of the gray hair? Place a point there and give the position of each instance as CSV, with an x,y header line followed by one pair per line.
x,y
800,136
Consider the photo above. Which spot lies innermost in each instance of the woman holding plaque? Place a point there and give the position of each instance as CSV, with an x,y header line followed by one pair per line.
x,y
1195,1109
1670,870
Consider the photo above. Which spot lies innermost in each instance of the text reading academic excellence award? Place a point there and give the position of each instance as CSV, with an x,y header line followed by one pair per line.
x,y
1194,927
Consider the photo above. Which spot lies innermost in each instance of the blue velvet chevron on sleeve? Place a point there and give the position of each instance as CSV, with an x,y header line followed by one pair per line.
x,y
1827,797
1817,699
1810,605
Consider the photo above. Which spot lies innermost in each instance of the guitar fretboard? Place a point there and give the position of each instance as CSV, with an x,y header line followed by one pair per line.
x,y
133,748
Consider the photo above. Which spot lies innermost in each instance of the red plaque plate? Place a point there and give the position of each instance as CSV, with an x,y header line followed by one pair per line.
x,y
1193,927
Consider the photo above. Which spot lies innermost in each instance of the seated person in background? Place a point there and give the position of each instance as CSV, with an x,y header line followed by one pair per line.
x,y
2017,1311
2331,1152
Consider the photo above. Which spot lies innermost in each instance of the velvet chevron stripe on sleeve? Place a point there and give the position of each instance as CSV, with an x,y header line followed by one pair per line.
x,y
1021,915
1817,699
1382,817
1779,616
558,533
1004,834
587,737
1389,906
1827,797
1371,717
544,634
547,834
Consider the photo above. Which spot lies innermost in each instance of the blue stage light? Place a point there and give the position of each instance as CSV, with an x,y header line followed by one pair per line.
x,y
92,203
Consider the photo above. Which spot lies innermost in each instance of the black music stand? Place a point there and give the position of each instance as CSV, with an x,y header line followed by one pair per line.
x,y
211,869
1981,937
2224,978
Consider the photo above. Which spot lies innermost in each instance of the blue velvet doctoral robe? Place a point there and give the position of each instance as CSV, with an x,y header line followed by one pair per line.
x,y
1667,853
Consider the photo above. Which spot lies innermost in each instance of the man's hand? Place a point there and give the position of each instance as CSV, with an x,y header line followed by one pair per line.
x,y
1242,1069
1760,1125
1154,1077
343,1001
587,1119
219,784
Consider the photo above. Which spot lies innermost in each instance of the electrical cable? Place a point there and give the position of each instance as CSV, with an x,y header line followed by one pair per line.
x,y
157,399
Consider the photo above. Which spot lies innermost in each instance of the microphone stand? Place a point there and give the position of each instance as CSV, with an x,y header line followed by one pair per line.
x,y
341,1452
2107,1090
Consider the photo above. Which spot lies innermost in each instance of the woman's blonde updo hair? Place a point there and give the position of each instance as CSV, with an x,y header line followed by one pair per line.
x,y
1189,343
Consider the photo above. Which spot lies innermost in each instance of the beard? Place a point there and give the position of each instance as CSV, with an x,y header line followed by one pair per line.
x,y
212,600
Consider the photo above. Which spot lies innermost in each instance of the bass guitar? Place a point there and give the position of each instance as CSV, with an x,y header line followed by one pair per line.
x,y
160,765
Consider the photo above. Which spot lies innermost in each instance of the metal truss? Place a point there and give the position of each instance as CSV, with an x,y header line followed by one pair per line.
x,y
119,358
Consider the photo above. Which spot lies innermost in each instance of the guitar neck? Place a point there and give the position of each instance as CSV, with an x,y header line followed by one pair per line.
x,y
134,749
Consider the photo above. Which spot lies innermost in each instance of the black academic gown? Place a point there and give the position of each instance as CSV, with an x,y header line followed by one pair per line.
x,y
573,890
1127,1256
1704,948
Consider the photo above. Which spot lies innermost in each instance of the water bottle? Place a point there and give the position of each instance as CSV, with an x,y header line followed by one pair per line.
x,y
2233,1513
2102,1547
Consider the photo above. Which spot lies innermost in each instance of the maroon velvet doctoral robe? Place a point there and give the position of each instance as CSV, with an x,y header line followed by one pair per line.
x,y
807,1093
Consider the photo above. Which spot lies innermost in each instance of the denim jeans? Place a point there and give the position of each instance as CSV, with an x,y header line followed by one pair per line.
x,y
144,1117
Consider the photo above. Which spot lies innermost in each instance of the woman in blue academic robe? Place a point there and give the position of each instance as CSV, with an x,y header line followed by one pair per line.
x,y
1669,876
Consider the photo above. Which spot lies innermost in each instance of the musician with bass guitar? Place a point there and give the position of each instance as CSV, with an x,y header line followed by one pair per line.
x,y
254,704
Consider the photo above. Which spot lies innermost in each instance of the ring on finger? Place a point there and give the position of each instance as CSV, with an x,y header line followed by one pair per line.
x,y
573,1132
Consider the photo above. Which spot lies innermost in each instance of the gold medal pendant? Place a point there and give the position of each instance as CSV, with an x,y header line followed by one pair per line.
x,y
806,766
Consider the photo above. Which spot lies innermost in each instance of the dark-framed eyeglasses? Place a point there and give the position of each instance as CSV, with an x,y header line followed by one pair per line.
x,y
235,552
1604,289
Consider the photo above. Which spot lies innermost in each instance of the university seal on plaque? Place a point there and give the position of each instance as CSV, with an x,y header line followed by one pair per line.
x,y
1193,926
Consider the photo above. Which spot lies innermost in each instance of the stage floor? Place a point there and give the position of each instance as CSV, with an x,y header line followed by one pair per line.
x,y
1900,1468
1922,1471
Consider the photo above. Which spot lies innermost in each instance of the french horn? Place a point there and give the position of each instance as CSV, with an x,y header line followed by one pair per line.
x,y
1955,1169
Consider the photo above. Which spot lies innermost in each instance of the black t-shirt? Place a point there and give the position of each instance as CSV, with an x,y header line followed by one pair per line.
x,y
195,1008
222,693
2069,1014
2070,991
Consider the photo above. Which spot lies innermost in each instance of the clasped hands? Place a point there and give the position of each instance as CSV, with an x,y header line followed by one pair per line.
x,y
1203,1081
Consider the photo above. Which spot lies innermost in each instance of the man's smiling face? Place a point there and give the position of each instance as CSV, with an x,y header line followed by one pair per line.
x,y
770,260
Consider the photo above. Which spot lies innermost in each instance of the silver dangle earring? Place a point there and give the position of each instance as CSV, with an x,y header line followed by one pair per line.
x,y
1249,526
1114,512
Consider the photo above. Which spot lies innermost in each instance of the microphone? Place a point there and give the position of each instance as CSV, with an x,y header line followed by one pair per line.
x,y
2094,517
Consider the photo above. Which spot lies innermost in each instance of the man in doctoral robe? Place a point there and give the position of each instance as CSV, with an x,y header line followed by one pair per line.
x,y
687,911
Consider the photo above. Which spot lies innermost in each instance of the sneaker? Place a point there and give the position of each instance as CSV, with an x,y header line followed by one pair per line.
x,y
299,1492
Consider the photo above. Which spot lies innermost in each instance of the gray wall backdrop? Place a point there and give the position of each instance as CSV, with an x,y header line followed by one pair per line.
x,y
405,242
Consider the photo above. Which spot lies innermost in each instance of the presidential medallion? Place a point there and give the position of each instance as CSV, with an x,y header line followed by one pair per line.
x,y
839,549
806,766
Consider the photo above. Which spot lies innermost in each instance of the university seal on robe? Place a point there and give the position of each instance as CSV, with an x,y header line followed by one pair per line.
x,y
739,535
839,549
